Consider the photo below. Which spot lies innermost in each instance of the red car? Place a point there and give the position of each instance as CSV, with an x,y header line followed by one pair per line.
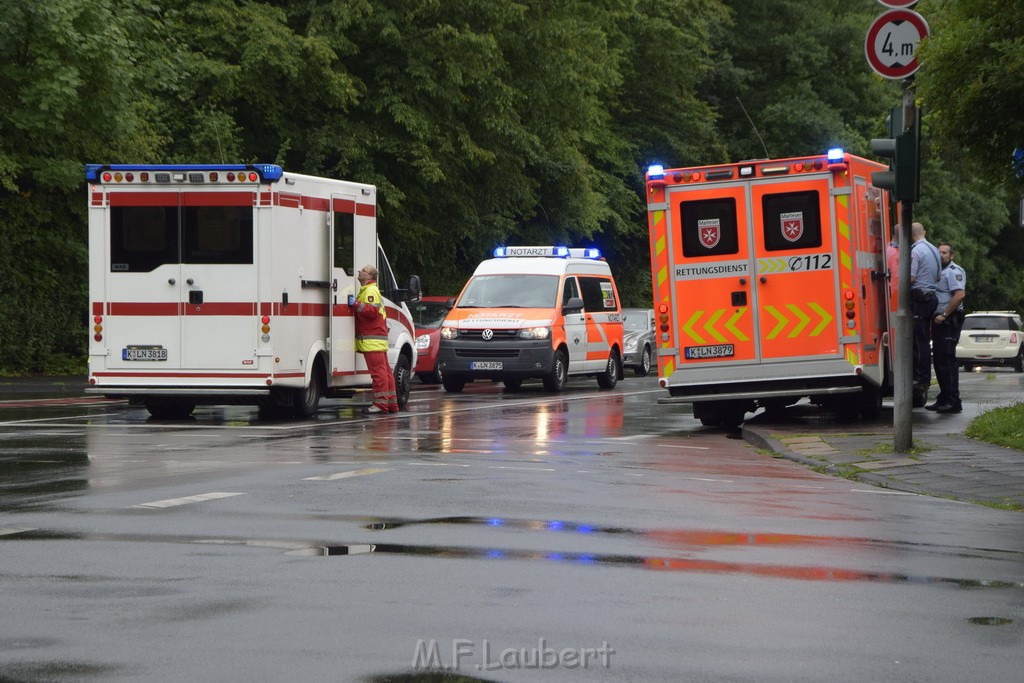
x,y
427,315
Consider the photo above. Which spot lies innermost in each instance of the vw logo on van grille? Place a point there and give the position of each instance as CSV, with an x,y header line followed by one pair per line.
x,y
487,335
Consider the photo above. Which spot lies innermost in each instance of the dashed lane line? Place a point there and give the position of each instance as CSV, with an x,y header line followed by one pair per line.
x,y
349,474
174,502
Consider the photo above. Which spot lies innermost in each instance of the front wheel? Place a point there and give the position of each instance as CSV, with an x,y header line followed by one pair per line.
x,y
453,383
555,380
645,363
403,381
610,376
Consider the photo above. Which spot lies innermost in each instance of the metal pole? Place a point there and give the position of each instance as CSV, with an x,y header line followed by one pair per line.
x,y
903,380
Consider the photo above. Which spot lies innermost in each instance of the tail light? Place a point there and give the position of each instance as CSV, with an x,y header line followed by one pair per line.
x,y
851,308
265,328
97,328
663,321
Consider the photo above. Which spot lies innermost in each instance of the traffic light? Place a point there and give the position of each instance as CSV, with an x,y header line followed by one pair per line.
x,y
903,152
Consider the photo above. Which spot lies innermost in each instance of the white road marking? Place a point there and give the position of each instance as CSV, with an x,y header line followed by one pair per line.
x,y
8,531
173,502
51,419
724,481
510,467
347,475
884,491
437,464
692,448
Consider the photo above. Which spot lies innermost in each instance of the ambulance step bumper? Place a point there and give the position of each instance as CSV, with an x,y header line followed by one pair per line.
x,y
762,394
178,391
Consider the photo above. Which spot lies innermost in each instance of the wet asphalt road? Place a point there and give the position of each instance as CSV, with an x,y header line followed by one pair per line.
x,y
591,535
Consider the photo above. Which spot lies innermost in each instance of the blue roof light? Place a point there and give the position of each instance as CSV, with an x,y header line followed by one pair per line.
x,y
835,154
499,252
655,172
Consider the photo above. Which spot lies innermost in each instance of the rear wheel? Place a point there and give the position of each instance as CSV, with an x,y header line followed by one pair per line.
x,y
1018,362
555,380
307,399
645,363
453,383
870,404
610,376
169,407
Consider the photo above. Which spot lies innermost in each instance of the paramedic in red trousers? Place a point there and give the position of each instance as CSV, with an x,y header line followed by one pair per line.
x,y
372,341
946,326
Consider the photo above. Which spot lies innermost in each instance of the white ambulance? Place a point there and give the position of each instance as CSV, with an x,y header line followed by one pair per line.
x,y
534,312
216,284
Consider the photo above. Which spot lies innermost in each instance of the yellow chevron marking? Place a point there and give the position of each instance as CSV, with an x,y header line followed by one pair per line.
x,y
659,245
731,325
844,229
662,276
670,367
804,319
709,326
782,320
825,318
771,265
844,200
851,356
845,260
688,327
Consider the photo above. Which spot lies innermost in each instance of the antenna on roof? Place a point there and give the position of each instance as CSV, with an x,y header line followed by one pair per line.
x,y
766,154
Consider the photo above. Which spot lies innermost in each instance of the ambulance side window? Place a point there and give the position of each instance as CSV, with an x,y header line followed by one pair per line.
x,y
791,221
385,277
142,238
344,251
216,234
598,294
709,227
569,290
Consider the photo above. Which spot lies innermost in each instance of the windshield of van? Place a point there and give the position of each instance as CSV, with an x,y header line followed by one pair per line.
x,y
510,291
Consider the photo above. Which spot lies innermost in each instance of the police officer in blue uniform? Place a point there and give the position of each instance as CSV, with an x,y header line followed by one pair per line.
x,y
946,326
925,275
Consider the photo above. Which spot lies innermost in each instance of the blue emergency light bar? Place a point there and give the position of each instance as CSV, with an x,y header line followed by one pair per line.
x,y
835,154
269,172
655,172
551,252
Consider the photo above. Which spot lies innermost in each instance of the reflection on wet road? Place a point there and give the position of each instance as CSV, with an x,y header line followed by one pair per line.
x,y
585,517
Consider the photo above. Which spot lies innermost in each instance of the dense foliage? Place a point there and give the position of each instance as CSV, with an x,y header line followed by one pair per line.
x,y
481,121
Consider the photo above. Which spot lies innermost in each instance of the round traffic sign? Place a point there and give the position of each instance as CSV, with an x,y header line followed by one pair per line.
x,y
898,3
892,41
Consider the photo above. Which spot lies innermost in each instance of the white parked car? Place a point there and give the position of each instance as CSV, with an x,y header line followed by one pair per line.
x,y
991,338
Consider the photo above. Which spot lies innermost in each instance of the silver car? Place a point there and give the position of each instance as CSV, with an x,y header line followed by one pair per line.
x,y
638,337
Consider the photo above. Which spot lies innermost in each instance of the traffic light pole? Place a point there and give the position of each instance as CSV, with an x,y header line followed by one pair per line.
x,y
903,380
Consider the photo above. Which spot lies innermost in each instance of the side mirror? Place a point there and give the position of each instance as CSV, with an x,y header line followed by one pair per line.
x,y
450,303
415,289
573,305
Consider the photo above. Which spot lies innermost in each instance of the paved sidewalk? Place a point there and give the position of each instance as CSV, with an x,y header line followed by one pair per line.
x,y
947,464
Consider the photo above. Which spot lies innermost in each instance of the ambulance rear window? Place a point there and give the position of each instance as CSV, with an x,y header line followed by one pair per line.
x,y
709,227
791,221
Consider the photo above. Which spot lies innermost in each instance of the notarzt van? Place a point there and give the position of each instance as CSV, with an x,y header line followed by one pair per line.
x,y
229,284
535,312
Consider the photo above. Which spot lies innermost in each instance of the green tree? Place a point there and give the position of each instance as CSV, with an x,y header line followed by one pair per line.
x,y
66,95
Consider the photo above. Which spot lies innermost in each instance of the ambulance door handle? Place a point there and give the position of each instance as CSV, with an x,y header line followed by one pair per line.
x,y
171,281
190,281
763,279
